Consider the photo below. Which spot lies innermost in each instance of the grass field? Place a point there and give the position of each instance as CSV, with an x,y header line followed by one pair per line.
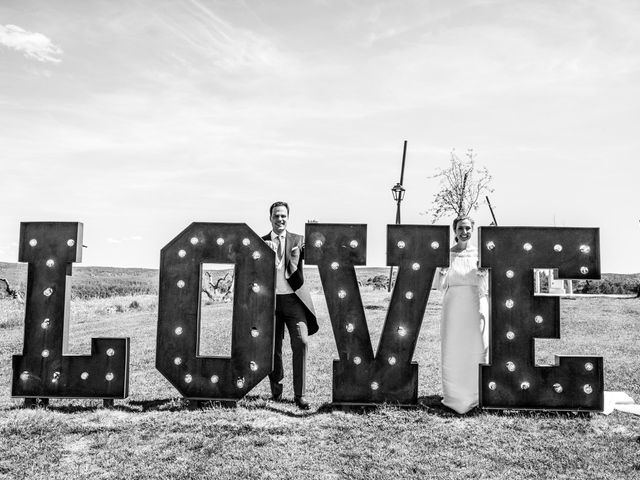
x,y
153,434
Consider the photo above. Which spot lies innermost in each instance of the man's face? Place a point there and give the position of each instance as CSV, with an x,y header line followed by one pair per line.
x,y
279,217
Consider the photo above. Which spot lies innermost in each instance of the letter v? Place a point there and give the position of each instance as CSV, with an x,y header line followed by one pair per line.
x,y
359,377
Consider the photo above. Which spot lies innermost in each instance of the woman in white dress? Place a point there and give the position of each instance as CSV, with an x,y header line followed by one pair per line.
x,y
463,327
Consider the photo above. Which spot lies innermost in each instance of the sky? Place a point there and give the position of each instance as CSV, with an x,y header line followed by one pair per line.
x,y
137,118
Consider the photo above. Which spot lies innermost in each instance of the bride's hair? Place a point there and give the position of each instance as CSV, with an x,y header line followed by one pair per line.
x,y
459,219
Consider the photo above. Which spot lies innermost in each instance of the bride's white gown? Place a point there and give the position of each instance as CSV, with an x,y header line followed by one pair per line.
x,y
463,329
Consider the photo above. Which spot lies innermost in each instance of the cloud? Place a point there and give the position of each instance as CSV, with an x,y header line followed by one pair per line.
x,y
33,44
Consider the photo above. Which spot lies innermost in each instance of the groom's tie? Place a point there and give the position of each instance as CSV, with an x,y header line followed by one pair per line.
x,y
280,250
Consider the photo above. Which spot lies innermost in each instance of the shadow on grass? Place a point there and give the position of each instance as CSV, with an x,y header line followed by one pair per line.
x,y
77,408
431,405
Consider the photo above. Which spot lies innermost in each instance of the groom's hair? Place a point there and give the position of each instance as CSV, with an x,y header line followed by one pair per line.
x,y
278,204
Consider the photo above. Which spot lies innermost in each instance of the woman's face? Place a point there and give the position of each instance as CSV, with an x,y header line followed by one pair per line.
x,y
464,229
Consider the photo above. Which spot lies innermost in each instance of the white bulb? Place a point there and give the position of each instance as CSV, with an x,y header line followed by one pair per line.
x,y
335,265
509,303
56,376
435,245
538,319
84,375
342,293
401,244
24,376
240,383
353,243
527,246
45,323
588,389
492,385
317,243
350,327
188,378
194,240
50,263
392,360
177,360
33,242
402,331
357,360
253,366
585,248
510,274
254,332
47,292
511,335
415,266
255,287
374,386
588,366
111,352
557,247
246,242
256,255
109,376
71,242
180,284
182,253
220,241
178,331
491,245
408,295
511,366
214,378
557,387
584,270
524,386
45,353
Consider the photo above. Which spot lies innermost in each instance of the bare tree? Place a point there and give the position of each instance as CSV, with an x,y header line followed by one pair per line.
x,y
217,290
7,291
461,187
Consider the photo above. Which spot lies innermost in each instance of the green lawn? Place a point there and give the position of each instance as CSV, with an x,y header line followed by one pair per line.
x,y
153,434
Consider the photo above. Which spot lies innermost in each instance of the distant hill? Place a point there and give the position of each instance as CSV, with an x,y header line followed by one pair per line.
x,y
102,282
92,282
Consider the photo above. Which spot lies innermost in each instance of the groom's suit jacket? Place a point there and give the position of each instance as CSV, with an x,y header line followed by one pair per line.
x,y
293,264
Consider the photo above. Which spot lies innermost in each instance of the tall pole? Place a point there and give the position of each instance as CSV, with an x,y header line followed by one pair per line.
x,y
398,200
495,222
404,157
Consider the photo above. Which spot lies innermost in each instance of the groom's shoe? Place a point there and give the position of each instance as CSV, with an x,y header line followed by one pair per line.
x,y
302,403
276,392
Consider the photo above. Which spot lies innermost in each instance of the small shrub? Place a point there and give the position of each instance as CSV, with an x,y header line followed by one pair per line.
x,y
379,282
134,305
119,308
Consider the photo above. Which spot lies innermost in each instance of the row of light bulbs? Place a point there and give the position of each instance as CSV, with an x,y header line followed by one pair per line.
x,y
24,376
511,367
354,244
528,247
557,387
34,242
588,366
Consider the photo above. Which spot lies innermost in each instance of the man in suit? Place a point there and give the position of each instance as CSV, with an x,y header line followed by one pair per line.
x,y
294,307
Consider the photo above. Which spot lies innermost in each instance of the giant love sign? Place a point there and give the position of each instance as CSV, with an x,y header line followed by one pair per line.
x,y
511,379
